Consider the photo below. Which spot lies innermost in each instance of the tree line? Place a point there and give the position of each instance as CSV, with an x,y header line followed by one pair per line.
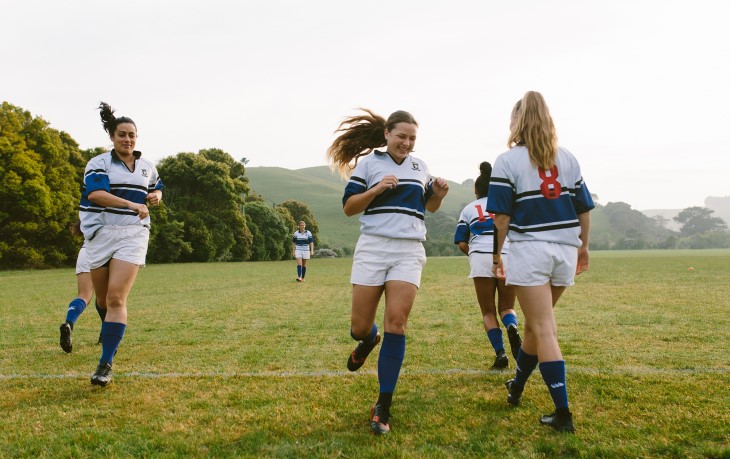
x,y
208,213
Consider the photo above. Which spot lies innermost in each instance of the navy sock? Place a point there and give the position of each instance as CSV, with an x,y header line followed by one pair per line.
x,y
370,338
509,319
526,363
304,271
495,337
100,311
390,361
553,373
75,308
299,271
111,335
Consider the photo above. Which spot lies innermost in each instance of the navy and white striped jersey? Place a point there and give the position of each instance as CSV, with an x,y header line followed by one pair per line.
x,y
302,240
476,228
543,205
108,173
397,213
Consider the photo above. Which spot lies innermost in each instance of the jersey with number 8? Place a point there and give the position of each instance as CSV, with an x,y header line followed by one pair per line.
x,y
546,205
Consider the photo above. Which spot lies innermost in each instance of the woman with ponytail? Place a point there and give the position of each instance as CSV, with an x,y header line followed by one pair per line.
x,y
392,190
538,196
115,221
475,237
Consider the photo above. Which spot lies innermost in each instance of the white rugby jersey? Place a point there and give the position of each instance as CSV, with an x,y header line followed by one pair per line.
x,y
397,213
302,240
543,205
108,173
476,228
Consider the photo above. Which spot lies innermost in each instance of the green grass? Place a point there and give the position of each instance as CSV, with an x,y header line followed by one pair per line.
x,y
237,359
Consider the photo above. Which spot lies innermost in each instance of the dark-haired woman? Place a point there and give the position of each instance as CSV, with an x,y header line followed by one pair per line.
x,y
537,193
116,225
475,237
392,190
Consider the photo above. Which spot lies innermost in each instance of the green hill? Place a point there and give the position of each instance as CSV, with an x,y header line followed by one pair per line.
x,y
321,189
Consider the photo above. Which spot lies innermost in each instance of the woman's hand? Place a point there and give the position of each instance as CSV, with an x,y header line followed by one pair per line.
x,y
440,187
141,209
154,198
498,269
582,264
389,182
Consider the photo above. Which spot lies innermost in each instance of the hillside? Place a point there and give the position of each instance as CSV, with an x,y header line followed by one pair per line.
x,y
321,189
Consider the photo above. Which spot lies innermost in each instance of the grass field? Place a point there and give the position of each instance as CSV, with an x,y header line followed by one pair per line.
x,y
237,359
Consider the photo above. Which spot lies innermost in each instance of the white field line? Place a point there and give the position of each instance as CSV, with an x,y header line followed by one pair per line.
x,y
331,373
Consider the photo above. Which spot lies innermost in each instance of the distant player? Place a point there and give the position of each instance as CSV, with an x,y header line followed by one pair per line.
x,y
475,237
116,225
392,190
302,249
537,193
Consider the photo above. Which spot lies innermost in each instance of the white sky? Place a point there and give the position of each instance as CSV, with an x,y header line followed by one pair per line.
x,y
639,89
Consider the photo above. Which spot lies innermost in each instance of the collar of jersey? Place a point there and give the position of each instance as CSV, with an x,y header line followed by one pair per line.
x,y
135,153
381,153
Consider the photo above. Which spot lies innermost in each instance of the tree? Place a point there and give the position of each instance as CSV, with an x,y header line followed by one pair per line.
x,y
301,212
205,192
270,234
40,188
696,220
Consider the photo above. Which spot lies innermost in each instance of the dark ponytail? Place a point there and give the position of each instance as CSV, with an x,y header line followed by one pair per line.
x,y
481,185
360,136
108,119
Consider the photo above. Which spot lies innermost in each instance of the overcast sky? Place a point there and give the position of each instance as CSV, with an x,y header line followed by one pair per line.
x,y
638,89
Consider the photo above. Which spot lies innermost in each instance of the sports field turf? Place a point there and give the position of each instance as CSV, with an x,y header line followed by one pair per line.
x,y
238,359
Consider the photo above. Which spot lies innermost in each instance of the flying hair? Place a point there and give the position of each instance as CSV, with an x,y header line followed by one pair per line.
x,y
109,121
534,128
361,134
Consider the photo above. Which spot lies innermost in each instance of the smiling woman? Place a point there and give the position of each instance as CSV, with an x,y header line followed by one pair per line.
x,y
118,186
393,190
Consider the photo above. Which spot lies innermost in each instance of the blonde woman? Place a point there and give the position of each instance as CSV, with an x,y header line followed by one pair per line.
x,y
539,199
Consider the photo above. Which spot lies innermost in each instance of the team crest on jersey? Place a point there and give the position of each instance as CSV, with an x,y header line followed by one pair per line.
x,y
415,166
144,172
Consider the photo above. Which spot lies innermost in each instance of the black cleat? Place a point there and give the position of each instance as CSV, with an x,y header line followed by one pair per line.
x,y
500,361
513,396
66,334
514,340
361,352
379,420
560,420
103,374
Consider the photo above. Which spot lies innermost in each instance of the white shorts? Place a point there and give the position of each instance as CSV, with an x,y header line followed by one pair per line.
x,y
481,264
303,254
126,243
82,263
380,259
533,263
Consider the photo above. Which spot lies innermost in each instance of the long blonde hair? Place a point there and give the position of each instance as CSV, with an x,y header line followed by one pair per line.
x,y
534,128
361,134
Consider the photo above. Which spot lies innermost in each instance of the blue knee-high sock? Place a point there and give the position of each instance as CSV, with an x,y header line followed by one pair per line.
x,y
111,335
75,308
304,271
553,373
495,337
390,361
100,311
368,339
526,363
299,271
509,319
